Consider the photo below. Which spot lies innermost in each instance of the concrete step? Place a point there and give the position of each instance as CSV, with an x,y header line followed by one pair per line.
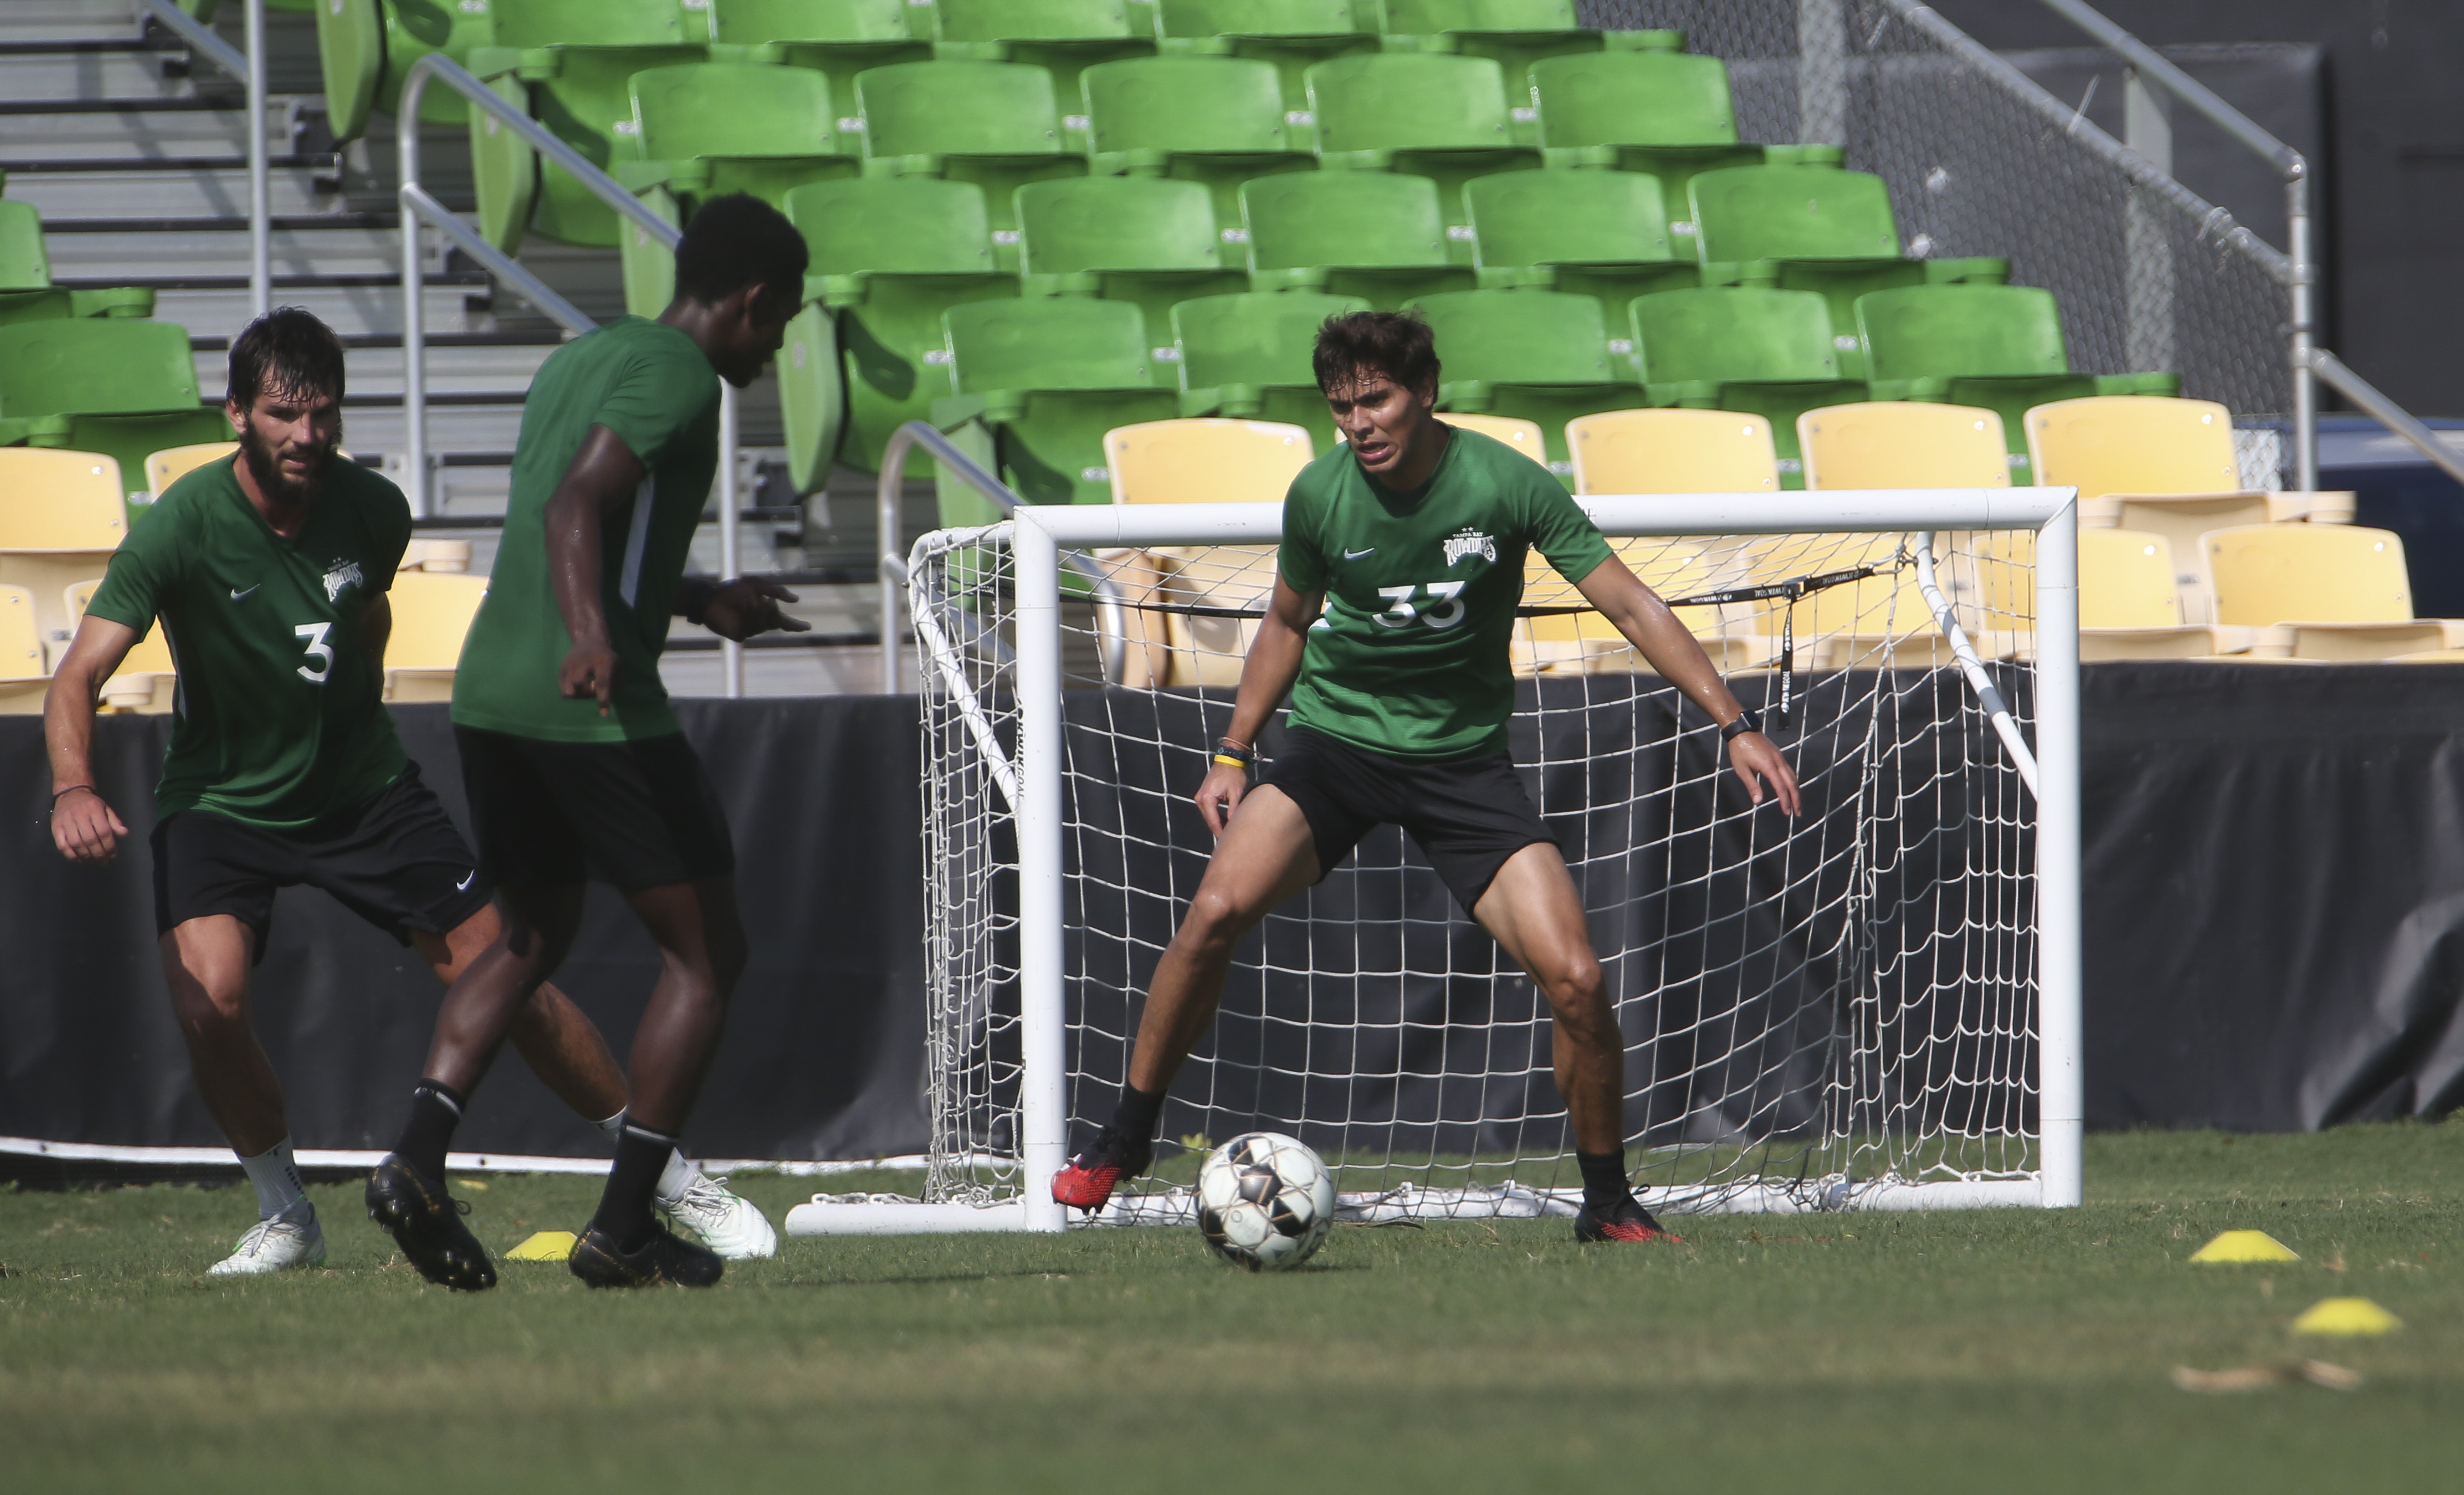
x,y
130,250
352,309
37,70
177,192
66,20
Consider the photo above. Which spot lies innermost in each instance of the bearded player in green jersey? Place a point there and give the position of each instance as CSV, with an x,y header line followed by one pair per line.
x,y
269,574
576,767
1412,539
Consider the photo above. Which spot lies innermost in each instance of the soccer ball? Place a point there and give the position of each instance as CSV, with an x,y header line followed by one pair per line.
x,y
1264,1202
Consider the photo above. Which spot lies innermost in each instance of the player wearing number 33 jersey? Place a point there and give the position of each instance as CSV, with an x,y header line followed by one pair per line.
x,y
1409,658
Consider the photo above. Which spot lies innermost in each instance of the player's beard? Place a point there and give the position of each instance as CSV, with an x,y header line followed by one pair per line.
x,y
262,458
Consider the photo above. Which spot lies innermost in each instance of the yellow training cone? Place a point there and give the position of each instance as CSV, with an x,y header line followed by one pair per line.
x,y
548,1245
2245,1246
2346,1316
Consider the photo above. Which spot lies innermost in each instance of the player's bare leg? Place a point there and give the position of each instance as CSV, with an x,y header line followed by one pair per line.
x,y
1266,855
206,961
1531,907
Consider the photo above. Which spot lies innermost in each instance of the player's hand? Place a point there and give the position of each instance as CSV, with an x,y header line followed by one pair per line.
x,y
1757,761
1221,795
590,669
84,827
745,607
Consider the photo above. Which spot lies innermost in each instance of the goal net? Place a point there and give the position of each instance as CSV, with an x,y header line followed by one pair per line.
x,y
1847,1009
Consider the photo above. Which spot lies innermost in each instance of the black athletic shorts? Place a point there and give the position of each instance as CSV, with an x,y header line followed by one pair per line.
x,y
1468,815
396,862
634,815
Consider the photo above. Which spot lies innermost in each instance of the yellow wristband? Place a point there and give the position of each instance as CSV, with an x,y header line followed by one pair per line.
x,y
1229,761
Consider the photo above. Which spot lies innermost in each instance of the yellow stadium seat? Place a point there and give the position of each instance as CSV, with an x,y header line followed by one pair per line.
x,y
2182,518
62,515
2134,444
23,678
171,464
1672,452
147,679
1524,436
2321,592
2130,608
1901,444
1197,461
451,557
432,612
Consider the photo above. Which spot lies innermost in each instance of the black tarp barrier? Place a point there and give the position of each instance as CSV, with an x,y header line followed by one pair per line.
x,y
2274,899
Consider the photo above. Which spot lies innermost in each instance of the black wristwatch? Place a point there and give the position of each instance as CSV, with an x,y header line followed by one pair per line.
x,y
1746,721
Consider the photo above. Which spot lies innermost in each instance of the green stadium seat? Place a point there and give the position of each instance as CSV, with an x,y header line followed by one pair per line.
x,y
1762,351
123,387
1046,377
1062,36
571,62
991,123
1135,239
1664,113
364,47
868,353
1294,35
1422,115
1996,347
709,128
1514,34
1248,357
1213,120
1372,234
26,289
1527,355
1598,233
1819,228
836,38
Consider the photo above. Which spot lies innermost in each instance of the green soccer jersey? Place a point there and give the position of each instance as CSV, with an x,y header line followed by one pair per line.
x,y
282,718
650,384
1410,655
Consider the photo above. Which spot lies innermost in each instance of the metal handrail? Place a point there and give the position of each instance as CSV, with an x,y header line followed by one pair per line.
x,y
419,207
250,68
889,526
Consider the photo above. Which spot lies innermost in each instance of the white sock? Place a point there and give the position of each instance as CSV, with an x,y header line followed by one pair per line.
x,y
674,1179
277,1177
678,1177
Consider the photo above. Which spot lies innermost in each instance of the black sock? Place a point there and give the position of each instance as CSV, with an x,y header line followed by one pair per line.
x,y
625,1209
435,1112
1604,1180
1135,1117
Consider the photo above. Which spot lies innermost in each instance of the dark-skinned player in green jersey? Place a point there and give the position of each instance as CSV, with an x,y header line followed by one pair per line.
x,y
269,574
576,767
1411,538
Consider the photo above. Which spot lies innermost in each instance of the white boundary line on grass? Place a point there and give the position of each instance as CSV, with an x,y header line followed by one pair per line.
x,y
458,1162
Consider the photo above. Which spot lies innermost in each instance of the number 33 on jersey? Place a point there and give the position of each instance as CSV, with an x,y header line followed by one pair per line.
x,y
1410,657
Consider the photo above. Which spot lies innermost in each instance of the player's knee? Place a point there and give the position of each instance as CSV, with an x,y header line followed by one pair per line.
x,y
1573,983
210,1005
1214,921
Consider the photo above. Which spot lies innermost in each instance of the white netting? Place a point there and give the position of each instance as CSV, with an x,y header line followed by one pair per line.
x,y
1845,1001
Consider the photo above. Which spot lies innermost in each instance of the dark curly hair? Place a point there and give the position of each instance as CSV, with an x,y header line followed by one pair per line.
x,y
288,352
1397,345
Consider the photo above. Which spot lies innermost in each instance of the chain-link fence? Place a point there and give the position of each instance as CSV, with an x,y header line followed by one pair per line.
x,y
1981,161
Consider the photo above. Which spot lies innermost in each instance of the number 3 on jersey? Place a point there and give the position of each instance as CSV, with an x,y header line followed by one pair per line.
x,y
1448,611
319,650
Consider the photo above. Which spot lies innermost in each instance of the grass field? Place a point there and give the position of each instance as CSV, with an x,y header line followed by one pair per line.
x,y
1988,1352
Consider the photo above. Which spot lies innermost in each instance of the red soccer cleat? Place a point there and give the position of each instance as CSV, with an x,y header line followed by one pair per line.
x,y
1086,1184
1629,1222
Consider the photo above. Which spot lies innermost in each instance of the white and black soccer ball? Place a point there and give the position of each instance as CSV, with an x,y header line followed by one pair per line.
x,y
1264,1200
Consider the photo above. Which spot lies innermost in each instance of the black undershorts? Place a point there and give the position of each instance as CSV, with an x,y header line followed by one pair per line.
x,y
634,815
396,862
1469,815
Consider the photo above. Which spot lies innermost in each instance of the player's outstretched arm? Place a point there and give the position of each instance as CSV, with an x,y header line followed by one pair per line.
x,y
1267,677
1639,613
603,475
84,826
738,609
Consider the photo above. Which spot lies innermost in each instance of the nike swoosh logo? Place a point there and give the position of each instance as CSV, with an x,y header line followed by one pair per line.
x,y
464,885
239,596
1354,555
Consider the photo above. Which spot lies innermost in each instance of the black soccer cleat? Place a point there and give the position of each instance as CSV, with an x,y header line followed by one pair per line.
x,y
664,1257
1628,1221
1086,1184
426,1224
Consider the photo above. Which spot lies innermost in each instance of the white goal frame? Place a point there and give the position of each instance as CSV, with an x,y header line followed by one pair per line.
x,y
1042,540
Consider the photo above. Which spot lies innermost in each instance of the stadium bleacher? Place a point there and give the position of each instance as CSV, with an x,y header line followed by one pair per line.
x,y
1571,206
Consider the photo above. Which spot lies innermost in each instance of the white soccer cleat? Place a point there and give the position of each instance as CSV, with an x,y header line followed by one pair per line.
x,y
727,1225
276,1244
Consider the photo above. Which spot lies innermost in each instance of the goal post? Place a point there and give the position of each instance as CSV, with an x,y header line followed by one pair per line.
x,y
1935,1065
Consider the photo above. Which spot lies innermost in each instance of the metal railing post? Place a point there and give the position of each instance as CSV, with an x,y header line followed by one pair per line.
x,y
2299,332
260,227
731,652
